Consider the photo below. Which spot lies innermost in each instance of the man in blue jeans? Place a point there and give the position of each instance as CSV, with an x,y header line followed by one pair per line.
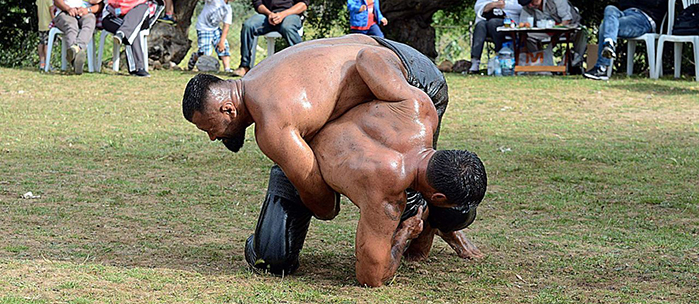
x,y
283,16
631,19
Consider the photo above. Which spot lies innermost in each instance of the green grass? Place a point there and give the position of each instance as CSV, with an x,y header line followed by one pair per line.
x,y
594,199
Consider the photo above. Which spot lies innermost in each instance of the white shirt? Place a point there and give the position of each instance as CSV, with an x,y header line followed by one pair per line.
x,y
77,3
512,9
213,13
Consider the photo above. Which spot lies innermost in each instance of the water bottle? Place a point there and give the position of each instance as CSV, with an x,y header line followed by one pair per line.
x,y
491,65
507,59
498,65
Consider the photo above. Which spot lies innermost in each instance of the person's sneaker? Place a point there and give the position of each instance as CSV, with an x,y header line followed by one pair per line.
x,y
192,61
609,51
228,70
79,61
119,37
597,73
169,19
72,51
475,66
140,73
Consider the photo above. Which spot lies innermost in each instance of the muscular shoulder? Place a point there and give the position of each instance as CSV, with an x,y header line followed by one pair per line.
x,y
358,167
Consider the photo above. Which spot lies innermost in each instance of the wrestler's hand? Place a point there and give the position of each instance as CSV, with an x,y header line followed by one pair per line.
x,y
221,46
384,21
413,224
362,8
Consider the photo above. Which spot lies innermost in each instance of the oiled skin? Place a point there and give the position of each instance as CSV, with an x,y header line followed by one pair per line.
x,y
372,154
291,96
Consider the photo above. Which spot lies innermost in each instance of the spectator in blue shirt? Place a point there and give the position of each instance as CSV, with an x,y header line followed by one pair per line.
x,y
365,16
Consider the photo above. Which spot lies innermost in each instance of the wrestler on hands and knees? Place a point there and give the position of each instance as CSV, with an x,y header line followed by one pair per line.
x,y
372,154
290,97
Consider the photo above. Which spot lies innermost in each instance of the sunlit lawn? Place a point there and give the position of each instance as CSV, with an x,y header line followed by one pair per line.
x,y
593,197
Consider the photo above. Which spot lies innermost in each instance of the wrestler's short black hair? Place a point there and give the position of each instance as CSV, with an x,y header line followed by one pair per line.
x,y
458,174
195,92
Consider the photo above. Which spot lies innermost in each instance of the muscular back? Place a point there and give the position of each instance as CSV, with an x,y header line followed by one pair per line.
x,y
375,145
292,95
309,84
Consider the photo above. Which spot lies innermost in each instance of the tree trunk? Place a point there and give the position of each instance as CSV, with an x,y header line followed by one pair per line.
x,y
410,22
169,42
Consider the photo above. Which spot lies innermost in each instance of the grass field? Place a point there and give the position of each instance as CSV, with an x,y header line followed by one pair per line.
x,y
593,198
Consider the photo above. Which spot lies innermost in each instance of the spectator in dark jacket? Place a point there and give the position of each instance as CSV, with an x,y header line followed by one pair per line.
x,y
283,16
632,18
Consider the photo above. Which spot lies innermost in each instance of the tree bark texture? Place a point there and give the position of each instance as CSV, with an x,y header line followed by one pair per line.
x,y
410,22
170,42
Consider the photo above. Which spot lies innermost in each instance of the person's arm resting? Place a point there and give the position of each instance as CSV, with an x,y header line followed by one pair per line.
x,y
61,5
261,8
296,9
564,10
289,150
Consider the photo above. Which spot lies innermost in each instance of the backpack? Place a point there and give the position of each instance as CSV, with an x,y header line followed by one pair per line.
x,y
687,22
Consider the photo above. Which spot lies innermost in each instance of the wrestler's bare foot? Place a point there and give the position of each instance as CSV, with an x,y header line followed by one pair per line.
x,y
241,71
464,248
415,256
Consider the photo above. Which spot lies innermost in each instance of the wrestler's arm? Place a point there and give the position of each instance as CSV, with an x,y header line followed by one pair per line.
x,y
381,242
289,150
383,73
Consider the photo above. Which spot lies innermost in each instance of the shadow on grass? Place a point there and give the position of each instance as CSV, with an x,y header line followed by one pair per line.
x,y
660,89
327,268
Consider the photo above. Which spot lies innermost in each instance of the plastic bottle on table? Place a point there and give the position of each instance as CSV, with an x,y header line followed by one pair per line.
x,y
506,58
507,22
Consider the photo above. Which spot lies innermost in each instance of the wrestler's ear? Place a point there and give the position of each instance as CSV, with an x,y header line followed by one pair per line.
x,y
229,109
439,199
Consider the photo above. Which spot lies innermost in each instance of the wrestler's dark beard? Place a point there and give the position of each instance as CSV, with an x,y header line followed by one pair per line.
x,y
234,143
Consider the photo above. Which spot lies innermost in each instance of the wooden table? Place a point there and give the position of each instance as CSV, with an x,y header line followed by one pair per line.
x,y
556,34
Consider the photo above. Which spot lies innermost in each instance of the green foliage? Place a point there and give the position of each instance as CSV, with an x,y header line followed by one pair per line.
x,y
453,31
18,33
327,17
20,50
17,17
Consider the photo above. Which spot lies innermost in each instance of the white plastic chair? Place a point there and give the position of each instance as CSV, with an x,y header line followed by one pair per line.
x,y
143,35
64,63
679,41
270,44
649,39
